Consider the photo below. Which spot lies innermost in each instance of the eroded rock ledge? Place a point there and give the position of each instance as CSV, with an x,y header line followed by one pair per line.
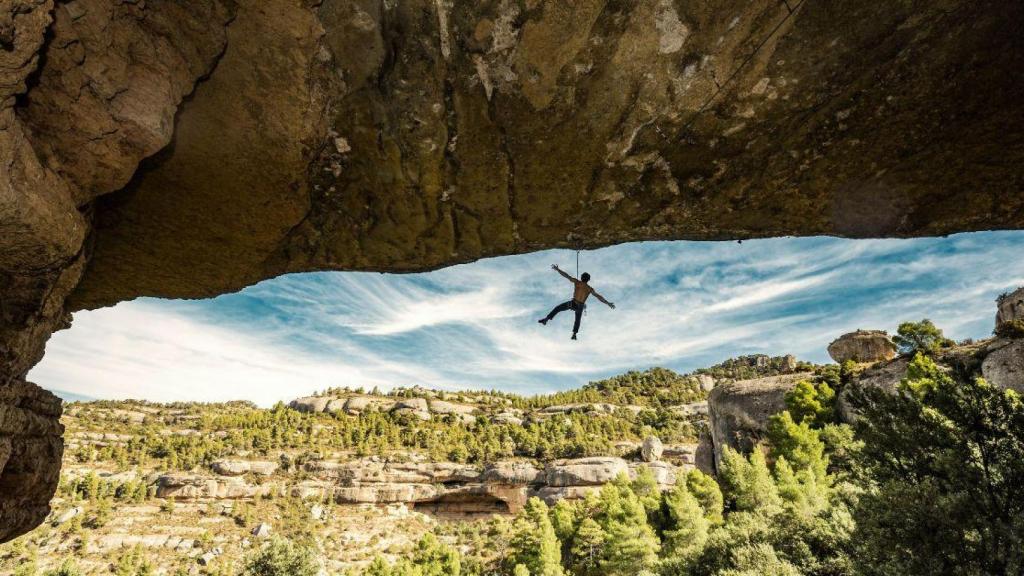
x,y
283,135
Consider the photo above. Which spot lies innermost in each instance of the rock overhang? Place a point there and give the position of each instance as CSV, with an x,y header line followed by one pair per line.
x,y
154,150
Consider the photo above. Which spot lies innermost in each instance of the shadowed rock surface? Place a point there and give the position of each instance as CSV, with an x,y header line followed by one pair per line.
x,y
189,151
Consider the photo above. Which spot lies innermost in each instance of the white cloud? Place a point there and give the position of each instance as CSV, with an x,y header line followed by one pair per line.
x,y
681,305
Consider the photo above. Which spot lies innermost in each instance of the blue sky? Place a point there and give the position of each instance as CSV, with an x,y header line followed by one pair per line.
x,y
681,305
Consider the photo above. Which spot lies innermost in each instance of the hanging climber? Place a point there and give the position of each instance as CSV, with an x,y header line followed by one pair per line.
x,y
581,291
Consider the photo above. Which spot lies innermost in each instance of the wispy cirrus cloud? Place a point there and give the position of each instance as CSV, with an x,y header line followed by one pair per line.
x,y
680,304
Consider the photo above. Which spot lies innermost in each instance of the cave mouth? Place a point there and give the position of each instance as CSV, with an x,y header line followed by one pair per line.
x,y
681,305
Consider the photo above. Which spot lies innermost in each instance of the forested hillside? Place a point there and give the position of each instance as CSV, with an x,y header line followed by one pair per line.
x,y
912,465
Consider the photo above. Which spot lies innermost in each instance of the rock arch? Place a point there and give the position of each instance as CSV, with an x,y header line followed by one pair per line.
x,y
150,149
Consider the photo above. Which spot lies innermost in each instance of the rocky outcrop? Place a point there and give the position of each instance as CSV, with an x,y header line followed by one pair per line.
x,y
414,407
999,360
1010,309
445,407
1004,365
739,411
407,136
242,467
862,346
512,473
592,471
884,375
440,487
350,405
198,487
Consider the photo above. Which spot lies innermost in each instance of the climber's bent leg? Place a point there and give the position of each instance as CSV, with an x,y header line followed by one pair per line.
x,y
557,309
554,311
578,308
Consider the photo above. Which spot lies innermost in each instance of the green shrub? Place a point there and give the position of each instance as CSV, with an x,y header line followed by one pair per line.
x,y
282,557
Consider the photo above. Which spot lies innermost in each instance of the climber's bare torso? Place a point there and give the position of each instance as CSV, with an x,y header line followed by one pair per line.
x,y
581,291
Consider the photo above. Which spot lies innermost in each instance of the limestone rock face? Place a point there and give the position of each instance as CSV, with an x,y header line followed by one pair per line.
x,y
1011,307
884,375
305,161
30,456
651,449
592,471
512,473
862,346
739,411
1004,366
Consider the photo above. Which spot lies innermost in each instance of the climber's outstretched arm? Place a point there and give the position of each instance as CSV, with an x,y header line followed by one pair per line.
x,y
559,270
601,298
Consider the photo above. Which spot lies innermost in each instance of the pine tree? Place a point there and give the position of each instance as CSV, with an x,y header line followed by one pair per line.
x,y
587,547
688,526
534,543
747,484
708,494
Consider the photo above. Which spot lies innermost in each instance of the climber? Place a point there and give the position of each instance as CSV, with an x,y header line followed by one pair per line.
x,y
580,292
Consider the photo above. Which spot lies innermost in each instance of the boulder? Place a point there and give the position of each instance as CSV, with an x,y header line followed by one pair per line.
x,y
1011,307
664,473
207,558
862,346
592,471
356,405
706,382
739,411
316,512
68,515
262,530
310,404
651,449
1004,366
415,406
445,407
507,417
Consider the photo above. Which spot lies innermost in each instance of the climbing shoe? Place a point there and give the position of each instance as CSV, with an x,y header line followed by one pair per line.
x,y
573,335
543,321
